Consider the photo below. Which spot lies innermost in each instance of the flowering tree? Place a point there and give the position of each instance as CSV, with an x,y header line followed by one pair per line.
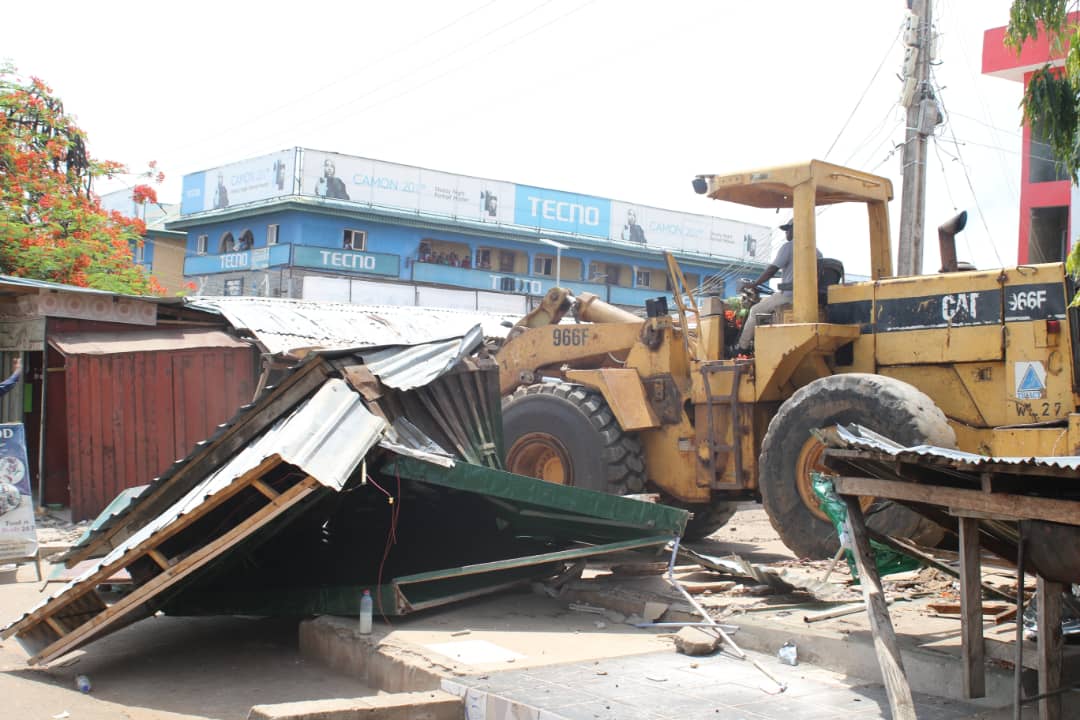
x,y
52,225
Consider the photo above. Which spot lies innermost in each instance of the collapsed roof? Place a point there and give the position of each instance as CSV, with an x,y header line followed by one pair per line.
x,y
375,468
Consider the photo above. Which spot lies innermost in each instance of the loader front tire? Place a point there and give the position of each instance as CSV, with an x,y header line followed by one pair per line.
x,y
567,434
789,453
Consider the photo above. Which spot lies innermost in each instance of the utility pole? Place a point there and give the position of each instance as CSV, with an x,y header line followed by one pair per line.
x,y
923,116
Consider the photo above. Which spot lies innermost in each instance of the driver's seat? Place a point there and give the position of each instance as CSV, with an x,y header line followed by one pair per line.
x,y
830,271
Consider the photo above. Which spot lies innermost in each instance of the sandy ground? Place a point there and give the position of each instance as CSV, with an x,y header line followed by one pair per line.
x,y
162,667
166,667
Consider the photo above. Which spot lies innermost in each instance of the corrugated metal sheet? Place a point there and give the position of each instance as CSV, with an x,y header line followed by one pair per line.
x,y
281,325
326,437
412,366
132,414
156,340
856,436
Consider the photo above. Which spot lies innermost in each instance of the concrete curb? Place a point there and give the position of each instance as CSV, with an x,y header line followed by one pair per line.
x,y
429,705
335,642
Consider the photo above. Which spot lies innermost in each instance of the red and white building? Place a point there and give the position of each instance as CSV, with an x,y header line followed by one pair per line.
x,y
1048,199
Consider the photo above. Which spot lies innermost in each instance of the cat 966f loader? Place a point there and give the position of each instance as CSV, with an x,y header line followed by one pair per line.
x,y
984,361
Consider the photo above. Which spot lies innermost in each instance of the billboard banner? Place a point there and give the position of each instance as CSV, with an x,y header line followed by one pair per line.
x,y
239,183
561,211
18,538
373,182
462,197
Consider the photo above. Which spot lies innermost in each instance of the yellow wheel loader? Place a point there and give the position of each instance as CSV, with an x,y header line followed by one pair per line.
x,y
983,361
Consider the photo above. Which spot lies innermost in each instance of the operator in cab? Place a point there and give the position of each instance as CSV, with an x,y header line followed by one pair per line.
x,y
782,263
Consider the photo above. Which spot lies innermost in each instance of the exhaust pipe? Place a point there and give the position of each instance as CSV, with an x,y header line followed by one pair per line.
x,y
946,234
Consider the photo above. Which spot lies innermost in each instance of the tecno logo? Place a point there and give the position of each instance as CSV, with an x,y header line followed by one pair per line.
x,y
565,212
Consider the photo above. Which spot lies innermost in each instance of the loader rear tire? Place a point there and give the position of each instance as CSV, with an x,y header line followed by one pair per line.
x,y
567,434
789,453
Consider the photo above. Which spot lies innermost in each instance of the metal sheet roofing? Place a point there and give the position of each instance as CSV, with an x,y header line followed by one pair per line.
x,y
155,340
281,325
326,437
415,365
856,436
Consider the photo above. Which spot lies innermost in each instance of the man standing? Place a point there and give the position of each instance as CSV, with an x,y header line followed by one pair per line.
x,y
221,194
631,230
782,263
329,185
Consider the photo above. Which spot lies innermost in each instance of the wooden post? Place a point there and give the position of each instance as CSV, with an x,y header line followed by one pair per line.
x,y
885,645
1050,646
971,620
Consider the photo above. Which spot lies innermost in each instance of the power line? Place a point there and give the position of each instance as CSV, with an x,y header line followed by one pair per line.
x,y
338,111
297,100
864,92
971,187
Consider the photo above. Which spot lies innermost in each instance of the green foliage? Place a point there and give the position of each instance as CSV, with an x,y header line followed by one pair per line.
x,y
1026,17
52,224
1052,98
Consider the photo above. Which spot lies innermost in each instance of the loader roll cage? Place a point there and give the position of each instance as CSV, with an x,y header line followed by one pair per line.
x,y
802,188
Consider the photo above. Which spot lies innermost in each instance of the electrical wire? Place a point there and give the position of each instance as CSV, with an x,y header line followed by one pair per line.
x,y
869,85
967,178
298,100
339,114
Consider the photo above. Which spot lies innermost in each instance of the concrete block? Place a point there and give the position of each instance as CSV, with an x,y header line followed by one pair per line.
x,y
696,641
429,705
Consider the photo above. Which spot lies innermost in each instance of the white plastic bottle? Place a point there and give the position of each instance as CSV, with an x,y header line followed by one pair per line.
x,y
365,613
83,683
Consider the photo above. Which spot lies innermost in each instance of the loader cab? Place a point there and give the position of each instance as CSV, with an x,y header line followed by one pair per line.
x,y
802,189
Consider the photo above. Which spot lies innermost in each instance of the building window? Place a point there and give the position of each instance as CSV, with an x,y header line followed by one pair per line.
x,y
234,287
506,261
1042,165
227,244
483,258
596,272
643,278
201,244
544,265
354,240
246,242
140,252
271,234
1048,240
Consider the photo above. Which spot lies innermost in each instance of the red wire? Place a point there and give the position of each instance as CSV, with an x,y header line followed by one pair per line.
x,y
391,538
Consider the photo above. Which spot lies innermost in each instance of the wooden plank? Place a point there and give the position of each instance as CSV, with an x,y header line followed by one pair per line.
x,y
973,654
885,645
1048,596
265,489
178,572
56,626
161,560
1014,506
909,548
957,608
158,538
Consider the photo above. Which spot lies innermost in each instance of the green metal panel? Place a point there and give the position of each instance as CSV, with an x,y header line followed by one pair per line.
x,y
530,498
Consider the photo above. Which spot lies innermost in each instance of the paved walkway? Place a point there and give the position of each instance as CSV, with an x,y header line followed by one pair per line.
x,y
670,686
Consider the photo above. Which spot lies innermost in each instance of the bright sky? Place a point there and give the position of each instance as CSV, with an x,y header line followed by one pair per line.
x,y
626,99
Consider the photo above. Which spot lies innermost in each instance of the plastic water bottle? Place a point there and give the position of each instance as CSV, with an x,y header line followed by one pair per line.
x,y
365,613
83,683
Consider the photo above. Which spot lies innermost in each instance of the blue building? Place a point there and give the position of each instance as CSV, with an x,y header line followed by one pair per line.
x,y
322,226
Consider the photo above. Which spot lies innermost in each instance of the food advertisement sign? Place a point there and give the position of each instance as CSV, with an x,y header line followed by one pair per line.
x,y
17,536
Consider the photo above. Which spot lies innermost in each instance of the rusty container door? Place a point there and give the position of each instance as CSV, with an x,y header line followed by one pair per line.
x,y
131,415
